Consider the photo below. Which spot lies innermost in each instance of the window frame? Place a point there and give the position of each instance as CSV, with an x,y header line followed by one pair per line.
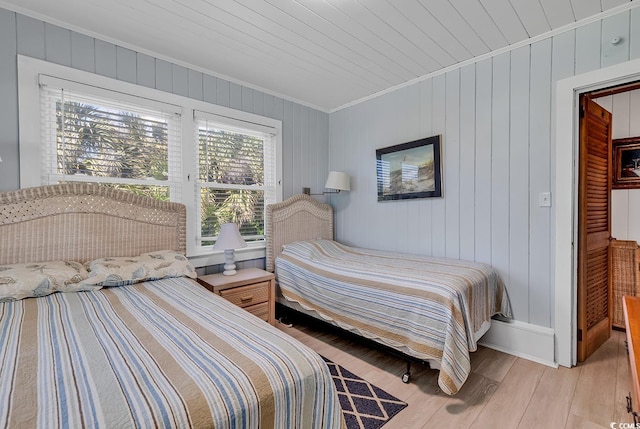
x,y
234,126
105,98
29,70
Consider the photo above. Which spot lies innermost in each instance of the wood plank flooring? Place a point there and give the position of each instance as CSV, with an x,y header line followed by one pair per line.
x,y
502,390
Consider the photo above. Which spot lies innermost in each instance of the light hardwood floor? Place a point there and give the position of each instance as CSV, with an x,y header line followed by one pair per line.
x,y
502,391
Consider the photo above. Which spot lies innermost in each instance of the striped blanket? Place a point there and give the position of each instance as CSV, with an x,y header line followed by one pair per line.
x,y
162,354
433,309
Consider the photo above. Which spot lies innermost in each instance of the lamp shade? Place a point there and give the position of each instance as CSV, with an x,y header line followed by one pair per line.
x,y
338,180
229,238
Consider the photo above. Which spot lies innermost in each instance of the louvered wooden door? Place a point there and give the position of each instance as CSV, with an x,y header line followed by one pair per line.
x,y
594,228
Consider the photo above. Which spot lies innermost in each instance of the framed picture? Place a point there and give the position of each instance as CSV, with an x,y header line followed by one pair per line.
x,y
409,170
626,163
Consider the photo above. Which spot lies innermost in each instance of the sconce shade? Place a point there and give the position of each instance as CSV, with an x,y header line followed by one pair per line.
x,y
338,180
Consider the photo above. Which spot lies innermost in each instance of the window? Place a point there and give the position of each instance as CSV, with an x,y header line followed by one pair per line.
x,y
87,137
222,164
236,166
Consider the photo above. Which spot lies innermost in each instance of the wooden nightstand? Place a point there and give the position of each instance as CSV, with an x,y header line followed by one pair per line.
x,y
251,288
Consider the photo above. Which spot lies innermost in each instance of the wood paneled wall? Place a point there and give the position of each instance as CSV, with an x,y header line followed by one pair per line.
x,y
625,203
495,116
305,130
496,121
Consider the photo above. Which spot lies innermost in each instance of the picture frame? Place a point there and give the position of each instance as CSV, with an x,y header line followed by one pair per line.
x,y
626,163
409,170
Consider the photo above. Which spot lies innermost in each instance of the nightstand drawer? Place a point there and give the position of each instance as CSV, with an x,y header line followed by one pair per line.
x,y
259,310
246,296
252,289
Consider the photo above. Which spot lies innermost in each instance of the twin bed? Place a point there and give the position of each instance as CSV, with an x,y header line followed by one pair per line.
x,y
136,342
430,309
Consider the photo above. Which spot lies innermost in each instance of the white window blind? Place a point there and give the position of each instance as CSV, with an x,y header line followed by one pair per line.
x,y
236,164
95,135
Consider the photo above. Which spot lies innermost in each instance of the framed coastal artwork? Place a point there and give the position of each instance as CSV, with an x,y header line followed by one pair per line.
x,y
626,163
409,170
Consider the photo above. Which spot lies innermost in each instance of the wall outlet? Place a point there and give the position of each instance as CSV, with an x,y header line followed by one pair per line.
x,y
545,199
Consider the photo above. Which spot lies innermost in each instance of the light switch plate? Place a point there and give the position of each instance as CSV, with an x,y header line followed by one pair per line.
x,y
545,199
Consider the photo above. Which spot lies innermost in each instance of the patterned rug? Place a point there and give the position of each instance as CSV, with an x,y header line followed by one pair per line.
x,y
364,405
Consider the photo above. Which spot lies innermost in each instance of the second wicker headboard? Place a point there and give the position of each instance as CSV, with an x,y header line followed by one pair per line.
x,y
297,218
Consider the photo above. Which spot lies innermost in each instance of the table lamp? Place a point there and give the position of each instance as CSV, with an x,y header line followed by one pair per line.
x,y
228,240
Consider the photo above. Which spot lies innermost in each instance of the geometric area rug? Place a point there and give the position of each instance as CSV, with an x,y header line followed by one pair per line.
x,y
364,405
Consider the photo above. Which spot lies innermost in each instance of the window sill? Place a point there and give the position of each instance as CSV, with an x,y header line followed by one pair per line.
x,y
215,258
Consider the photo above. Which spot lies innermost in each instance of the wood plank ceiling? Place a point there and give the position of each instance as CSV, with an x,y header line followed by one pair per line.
x,y
323,53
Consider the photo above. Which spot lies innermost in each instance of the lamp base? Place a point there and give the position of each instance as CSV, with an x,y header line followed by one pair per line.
x,y
229,263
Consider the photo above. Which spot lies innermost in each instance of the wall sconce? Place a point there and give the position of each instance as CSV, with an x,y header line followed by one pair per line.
x,y
336,180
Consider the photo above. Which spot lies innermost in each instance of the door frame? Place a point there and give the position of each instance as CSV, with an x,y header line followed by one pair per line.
x,y
566,196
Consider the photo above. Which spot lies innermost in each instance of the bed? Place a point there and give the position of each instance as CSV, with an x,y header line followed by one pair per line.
x,y
430,309
134,348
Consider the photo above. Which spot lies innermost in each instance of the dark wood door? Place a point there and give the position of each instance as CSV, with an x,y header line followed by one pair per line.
x,y
594,228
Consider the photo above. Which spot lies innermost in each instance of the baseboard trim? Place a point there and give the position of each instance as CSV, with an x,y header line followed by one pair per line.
x,y
531,342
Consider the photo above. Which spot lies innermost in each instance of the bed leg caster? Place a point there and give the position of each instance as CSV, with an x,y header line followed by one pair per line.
x,y
407,375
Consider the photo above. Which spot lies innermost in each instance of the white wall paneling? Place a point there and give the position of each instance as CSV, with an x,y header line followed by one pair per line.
x,y
634,43
425,127
451,164
562,66
539,170
620,214
616,26
303,127
9,168
126,65
625,203
633,218
588,47
467,162
519,179
483,156
499,167
438,208
498,122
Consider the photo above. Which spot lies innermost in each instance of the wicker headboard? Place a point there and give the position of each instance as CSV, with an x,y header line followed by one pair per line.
x,y
297,218
82,222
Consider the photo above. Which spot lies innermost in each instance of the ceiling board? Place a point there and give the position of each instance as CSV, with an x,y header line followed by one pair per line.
x,y
455,25
558,12
437,38
479,19
585,8
532,15
322,53
316,35
506,19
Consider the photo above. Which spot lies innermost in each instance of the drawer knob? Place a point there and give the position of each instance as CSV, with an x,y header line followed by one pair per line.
x,y
246,298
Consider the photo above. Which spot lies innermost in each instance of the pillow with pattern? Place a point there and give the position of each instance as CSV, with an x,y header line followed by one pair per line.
x,y
120,271
33,279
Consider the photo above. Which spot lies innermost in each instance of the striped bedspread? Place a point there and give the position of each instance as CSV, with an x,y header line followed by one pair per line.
x,y
429,308
162,354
